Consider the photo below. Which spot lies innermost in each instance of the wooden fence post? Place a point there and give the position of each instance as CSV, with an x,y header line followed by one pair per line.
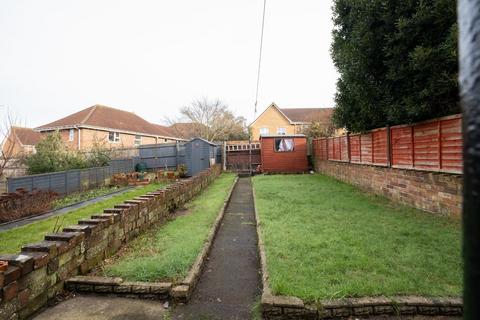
x,y
389,147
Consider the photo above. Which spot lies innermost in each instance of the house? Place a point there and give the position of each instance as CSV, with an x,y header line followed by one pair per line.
x,y
111,127
288,121
20,141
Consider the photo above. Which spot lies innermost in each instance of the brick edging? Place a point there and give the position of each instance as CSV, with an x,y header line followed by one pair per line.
x,y
287,307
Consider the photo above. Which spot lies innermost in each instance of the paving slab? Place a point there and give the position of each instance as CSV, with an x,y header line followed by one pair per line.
x,y
230,282
92,307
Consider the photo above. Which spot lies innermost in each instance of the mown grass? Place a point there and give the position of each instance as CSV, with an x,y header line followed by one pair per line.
x,y
168,252
12,240
326,239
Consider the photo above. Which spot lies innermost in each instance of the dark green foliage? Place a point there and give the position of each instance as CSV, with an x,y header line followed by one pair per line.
x,y
52,155
397,61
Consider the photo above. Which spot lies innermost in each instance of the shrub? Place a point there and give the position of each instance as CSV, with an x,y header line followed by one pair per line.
x,y
22,203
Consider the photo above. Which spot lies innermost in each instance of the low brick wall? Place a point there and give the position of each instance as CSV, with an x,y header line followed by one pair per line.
x,y
430,191
38,273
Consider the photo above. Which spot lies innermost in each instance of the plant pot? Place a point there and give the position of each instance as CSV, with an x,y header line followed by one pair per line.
x,y
171,175
3,265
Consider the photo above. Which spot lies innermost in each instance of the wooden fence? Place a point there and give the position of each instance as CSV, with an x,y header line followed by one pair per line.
x,y
434,145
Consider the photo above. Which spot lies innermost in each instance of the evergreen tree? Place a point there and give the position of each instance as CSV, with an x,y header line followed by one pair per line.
x,y
397,61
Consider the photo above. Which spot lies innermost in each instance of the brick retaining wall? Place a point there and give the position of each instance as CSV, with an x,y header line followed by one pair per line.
x,y
38,273
430,191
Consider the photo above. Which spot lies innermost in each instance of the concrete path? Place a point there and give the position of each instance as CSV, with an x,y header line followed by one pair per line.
x,y
105,308
53,213
230,283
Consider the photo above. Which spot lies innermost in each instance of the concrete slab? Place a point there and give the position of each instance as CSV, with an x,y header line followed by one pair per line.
x,y
91,307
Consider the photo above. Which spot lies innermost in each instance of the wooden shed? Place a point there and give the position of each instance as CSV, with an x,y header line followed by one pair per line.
x,y
284,153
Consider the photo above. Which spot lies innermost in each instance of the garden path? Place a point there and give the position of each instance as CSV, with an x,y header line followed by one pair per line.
x,y
230,283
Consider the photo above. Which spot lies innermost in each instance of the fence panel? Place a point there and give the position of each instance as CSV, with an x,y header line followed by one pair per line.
x,y
355,149
402,142
380,147
65,182
434,145
366,148
426,139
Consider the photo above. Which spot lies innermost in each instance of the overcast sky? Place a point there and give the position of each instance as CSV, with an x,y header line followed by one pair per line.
x,y
153,57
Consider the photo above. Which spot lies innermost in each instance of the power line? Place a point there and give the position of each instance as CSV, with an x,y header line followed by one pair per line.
x,y
260,57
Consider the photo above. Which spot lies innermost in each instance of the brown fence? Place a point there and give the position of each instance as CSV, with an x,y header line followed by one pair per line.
x,y
434,145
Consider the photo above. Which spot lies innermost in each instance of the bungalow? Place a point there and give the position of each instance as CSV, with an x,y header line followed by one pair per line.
x,y
20,141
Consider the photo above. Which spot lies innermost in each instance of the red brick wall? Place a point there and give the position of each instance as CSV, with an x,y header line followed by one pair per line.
x,y
430,191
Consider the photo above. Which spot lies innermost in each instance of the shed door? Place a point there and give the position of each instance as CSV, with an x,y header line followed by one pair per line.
x,y
199,162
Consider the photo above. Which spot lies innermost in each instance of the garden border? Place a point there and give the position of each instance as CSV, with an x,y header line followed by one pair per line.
x,y
38,273
274,307
179,292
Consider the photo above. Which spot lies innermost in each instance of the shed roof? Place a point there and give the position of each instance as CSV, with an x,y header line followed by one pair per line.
x,y
27,136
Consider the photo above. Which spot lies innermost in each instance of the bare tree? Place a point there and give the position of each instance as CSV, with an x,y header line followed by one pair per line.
x,y
212,120
8,142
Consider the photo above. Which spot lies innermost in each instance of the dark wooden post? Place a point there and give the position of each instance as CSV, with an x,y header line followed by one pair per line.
x,y
469,78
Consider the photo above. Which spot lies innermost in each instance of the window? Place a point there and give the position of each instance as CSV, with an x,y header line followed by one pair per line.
x,y
114,137
71,135
282,131
138,140
263,131
284,145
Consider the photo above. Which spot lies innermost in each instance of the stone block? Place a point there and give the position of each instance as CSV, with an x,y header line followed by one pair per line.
x,y
23,261
34,305
362,311
23,297
86,229
36,281
383,309
428,310
122,288
40,259
180,293
103,288
50,247
10,291
11,274
53,265
160,288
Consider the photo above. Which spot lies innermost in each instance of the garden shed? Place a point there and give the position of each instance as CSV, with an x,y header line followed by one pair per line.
x,y
284,153
200,154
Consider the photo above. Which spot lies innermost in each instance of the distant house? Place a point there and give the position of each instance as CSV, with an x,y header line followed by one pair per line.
x,y
112,127
20,141
288,121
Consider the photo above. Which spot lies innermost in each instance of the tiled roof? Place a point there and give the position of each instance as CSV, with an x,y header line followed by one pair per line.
x,y
27,136
109,118
322,115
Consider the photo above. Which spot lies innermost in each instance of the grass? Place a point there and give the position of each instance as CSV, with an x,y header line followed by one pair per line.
x,y
12,240
168,252
326,239
82,196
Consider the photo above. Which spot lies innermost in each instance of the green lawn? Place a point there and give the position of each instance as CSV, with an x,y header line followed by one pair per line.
x,y
12,240
326,239
168,252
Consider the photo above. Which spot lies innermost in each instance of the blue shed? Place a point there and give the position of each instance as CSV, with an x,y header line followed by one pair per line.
x,y
199,155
